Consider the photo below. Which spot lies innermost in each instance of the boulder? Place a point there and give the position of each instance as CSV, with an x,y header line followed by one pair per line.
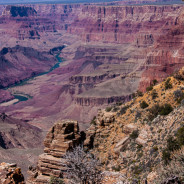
x,y
121,145
128,129
141,141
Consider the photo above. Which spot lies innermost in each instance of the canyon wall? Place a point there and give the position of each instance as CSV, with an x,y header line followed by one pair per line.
x,y
110,53
124,24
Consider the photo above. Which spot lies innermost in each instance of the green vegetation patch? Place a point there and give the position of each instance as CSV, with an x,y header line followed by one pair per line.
x,y
159,110
143,105
168,84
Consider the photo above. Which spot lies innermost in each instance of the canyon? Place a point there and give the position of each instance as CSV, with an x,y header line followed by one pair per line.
x,y
124,137
108,54
116,48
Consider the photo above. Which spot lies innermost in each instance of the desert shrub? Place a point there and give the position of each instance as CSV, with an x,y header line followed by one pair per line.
x,y
172,144
153,112
180,136
137,170
165,109
82,167
116,168
166,156
149,88
154,82
178,76
115,109
159,110
133,95
143,105
108,109
93,121
168,84
154,94
55,180
150,117
155,148
124,109
178,95
139,93
173,172
134,134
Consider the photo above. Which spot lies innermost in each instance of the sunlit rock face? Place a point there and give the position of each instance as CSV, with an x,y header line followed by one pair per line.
x,y
62,137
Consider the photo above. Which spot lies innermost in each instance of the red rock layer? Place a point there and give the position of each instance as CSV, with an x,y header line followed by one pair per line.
x,y
127,47
167,56
123,24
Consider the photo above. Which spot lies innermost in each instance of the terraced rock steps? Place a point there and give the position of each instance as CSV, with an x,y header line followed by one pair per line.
x,y
62,137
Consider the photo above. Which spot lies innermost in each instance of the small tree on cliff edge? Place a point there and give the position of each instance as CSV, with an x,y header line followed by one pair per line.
x,y
82,167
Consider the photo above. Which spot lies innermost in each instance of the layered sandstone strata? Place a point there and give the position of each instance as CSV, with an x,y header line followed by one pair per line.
x,y
125,49
62,137
124,24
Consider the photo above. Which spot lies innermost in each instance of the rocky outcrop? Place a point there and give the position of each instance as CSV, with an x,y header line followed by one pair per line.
x,y
103,119
79,79
62,137
10,173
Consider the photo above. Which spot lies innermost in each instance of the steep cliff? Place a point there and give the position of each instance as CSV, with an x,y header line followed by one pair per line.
x,y
124,24
166,57
62,137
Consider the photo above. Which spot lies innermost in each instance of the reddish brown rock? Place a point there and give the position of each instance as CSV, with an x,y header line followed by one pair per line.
x,y
62,137
119,49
